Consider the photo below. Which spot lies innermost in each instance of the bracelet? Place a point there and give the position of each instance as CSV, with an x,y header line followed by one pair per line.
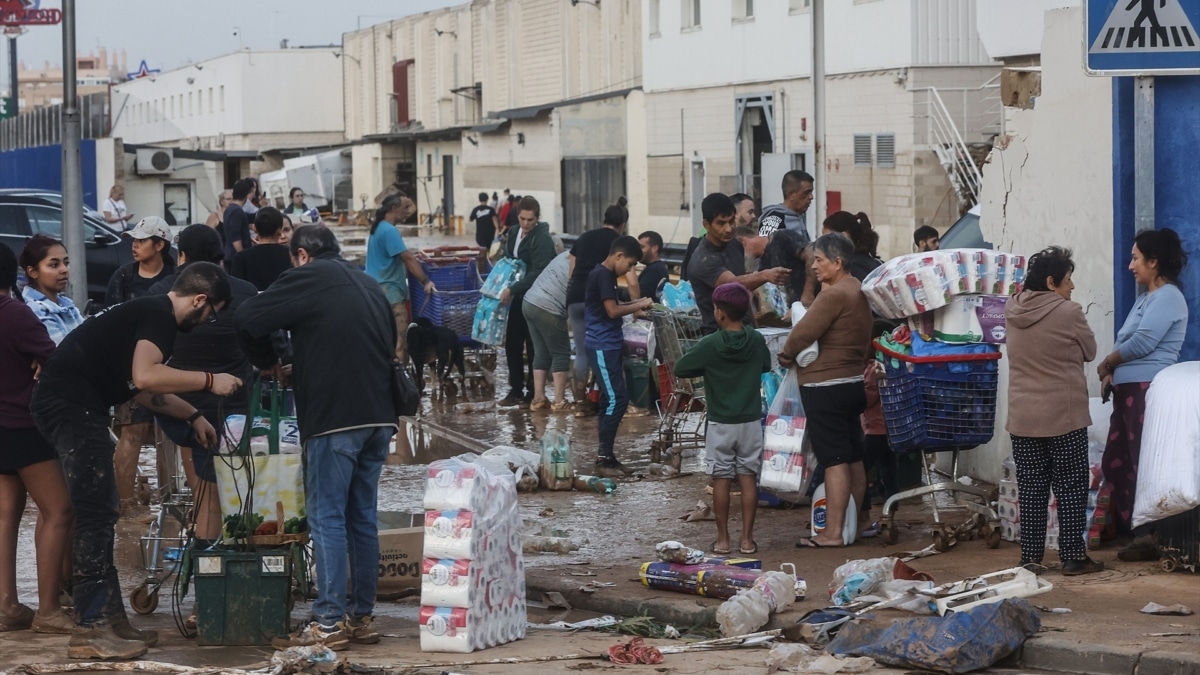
x,y
195,416
208,381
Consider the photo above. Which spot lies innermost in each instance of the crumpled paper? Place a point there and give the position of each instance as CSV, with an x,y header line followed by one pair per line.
x,y
1166,610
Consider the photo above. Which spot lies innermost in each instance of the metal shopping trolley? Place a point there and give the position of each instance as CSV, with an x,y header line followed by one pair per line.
x,y
681,410
162,546
457,280
941,404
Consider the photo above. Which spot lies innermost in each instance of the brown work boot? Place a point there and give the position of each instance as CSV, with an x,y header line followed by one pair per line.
x,y
99,642
126,631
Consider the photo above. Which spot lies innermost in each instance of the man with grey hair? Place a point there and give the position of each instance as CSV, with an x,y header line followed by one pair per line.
x,y
791,214
344,341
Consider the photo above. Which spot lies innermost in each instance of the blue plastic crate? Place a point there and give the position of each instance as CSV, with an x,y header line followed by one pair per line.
x,y
453,303
938,402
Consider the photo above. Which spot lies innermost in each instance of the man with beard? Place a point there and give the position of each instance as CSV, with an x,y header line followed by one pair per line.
x,y
117,356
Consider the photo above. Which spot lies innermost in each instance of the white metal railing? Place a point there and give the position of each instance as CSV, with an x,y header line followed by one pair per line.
x,y
945,137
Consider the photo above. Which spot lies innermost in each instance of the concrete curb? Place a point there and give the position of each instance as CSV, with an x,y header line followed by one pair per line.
x,y
1055,654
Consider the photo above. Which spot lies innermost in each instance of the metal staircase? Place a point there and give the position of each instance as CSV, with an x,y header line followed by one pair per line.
x,y
962,160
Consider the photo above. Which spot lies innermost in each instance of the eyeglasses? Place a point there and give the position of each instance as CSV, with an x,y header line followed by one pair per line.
x,y
212,313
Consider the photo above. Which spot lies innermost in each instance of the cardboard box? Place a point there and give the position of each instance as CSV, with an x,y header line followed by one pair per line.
x,y
401,544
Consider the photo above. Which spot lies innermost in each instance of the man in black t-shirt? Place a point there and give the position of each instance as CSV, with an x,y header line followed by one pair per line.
x,y
117,356
262,263
484,217
649,281
237,221
720,259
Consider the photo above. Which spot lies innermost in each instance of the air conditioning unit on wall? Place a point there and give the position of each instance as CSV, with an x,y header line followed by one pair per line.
x,y
154,161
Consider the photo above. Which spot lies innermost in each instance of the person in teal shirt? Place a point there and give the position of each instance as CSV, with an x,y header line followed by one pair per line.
x,y
389,261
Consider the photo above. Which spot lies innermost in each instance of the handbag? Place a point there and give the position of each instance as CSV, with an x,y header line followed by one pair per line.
x,y
406,397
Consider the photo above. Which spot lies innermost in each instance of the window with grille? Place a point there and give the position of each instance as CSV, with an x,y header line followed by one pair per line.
x,y
885,150
862,149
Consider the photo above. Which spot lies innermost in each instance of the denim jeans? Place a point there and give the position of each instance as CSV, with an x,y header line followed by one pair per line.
x,y
341,484
575,315
610,377
86,450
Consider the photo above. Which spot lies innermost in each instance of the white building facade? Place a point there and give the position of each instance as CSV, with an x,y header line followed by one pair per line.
x,y
185,134
538,96
728,82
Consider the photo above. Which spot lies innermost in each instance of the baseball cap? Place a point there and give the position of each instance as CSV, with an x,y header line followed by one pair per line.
x,y
735,295
150,226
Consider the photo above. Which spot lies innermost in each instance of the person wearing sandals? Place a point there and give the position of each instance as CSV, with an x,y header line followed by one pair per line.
x,y
1049,341
732,361
545,309
1149,341
831,387
28,466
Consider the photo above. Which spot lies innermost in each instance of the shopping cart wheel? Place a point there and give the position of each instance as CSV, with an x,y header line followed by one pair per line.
x,y
889,533
143,600
1168,564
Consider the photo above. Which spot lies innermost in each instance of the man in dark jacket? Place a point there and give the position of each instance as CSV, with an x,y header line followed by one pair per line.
x,y
344,341
532,244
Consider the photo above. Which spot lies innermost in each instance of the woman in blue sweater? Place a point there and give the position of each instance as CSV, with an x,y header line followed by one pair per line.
x,y
1149,341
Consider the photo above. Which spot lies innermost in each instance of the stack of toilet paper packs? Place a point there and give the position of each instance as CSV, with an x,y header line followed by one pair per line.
x,y
473,573
942,292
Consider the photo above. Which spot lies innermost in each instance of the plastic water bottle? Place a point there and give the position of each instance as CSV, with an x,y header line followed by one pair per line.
x,y
750,609
596,484
820,512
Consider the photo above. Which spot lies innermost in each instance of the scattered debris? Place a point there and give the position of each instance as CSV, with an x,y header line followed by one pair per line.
x,y
588,624
546,513
1169,634
671,633
675,552
536,544
555,600
702,511
1166,610
750,609
593,586
798,658
634,651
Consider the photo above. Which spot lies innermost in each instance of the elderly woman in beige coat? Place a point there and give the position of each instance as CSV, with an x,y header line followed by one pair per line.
x,y
1049,341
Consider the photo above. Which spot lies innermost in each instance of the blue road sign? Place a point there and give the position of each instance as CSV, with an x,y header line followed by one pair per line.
x,y
1142,37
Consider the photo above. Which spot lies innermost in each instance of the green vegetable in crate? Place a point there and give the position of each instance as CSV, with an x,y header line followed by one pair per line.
x,y
239,526
295,525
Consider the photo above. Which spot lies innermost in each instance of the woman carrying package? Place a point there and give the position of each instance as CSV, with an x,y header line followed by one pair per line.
x,y
831,387
1049,341
1149,341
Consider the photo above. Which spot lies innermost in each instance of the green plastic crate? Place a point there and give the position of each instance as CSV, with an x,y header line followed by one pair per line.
x,y
638,381
243,598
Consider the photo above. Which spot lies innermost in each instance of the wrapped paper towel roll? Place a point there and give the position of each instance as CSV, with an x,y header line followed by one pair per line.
x,y
450,534
809,353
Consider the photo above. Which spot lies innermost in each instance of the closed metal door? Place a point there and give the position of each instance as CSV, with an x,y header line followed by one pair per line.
x,y
589,186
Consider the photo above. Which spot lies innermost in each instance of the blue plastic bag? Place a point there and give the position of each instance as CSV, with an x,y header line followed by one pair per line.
x,y
959,642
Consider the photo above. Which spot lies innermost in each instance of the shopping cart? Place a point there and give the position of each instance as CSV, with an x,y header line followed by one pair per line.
x,y
941,404
163,544
681,411
457,280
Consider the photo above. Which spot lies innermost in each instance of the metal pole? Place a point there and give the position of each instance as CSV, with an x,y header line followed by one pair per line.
x,y
72,170
818,77
1143,154
13,87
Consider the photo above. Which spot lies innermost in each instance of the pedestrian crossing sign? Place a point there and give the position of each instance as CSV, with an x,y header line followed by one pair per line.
x,y
1142,37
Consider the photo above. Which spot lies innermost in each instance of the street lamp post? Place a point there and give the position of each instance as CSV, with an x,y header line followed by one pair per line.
x,y
72,170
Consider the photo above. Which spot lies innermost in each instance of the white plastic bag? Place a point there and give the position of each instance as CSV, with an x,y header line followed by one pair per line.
x,y
788,462
860,577
809,353
1168,481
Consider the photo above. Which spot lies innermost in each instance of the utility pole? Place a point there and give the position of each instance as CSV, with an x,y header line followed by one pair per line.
x,y
818,78
72,169
13,90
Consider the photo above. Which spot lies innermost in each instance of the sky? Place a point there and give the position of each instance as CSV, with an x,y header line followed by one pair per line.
x,y
172,33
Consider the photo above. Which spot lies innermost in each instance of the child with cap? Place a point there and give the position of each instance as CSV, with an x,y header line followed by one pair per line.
x,y
732,361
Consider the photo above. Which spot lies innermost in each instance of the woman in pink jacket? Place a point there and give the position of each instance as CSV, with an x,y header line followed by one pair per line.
x,y
1049,341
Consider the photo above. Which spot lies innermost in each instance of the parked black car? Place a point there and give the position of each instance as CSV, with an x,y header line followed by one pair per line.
x,y
24,214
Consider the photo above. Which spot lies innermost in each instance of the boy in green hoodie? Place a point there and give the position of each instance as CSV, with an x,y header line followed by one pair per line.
x,y
732,361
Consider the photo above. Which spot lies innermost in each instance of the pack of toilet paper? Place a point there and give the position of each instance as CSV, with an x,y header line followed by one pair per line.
x,y
913,284
473,570
490,321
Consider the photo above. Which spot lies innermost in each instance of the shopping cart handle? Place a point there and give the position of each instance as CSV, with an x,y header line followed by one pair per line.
x,y
950,358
